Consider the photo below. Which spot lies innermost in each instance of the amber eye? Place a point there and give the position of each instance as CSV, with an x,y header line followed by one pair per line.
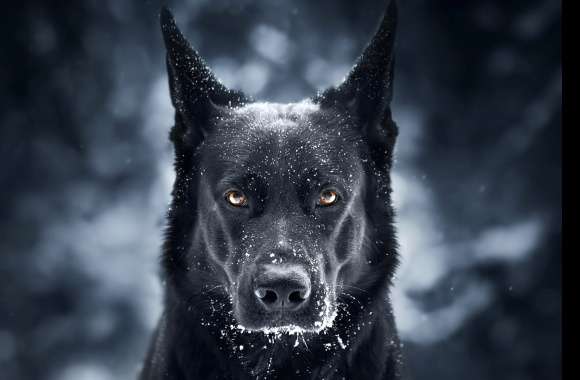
x,y
236,198
328,198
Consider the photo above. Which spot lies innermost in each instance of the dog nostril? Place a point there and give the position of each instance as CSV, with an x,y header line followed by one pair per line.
x,y
267,296
260,292
270,296
297,297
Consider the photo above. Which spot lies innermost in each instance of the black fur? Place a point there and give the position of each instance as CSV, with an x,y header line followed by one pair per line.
x,y
216,325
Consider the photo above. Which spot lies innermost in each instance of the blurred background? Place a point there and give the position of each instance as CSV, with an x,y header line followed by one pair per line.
x,y
86,171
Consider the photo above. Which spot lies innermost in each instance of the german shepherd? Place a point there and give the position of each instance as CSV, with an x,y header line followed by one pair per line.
x,y
280,247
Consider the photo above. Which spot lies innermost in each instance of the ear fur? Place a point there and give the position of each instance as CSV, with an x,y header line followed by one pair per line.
x,y
195,92
367,90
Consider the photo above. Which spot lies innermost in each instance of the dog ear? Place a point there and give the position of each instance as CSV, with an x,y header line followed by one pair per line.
x,y
196,93
368,89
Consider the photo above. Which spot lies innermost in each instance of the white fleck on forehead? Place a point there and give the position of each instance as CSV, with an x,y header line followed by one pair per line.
x,y
276,116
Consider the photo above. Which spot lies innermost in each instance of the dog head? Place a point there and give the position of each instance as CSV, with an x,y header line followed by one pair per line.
x,y
282,208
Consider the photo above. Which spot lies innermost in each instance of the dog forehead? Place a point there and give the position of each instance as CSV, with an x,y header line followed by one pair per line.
x,y
297,137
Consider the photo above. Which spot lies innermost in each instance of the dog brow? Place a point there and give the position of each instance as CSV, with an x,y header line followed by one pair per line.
x,y
240,177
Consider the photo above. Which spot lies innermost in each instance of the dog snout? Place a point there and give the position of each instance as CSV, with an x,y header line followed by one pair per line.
x,y
282,287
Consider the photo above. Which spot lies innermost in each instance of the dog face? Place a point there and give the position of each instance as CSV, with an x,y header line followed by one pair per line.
x,y
281,195
284,207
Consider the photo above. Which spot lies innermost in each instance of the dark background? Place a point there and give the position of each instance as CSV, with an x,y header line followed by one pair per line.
x,y
85,171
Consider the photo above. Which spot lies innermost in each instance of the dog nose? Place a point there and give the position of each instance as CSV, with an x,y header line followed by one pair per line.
x,y
282,287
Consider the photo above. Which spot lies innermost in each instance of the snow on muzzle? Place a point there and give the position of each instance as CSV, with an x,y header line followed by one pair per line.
x,y
283,295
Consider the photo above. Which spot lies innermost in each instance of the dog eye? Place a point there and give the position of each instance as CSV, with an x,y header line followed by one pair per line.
x,y
328,198
236,198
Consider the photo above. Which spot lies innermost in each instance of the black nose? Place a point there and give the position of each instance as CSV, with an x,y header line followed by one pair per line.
x,y
282,287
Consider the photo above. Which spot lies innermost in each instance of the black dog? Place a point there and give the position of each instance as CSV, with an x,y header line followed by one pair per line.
x,y
280,246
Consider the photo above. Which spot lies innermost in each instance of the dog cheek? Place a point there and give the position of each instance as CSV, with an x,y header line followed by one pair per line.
x,y
348,240
218,242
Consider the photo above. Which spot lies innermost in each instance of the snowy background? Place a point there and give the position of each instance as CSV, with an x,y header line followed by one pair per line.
x,y
86,171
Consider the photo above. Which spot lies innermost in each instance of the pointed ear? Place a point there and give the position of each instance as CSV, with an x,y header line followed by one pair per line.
x,y
196,93
368,89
